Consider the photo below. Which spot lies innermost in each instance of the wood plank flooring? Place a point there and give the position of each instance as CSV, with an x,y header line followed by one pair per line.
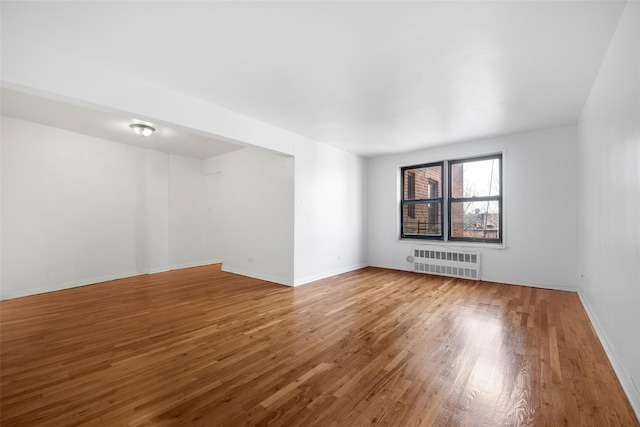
x,y
200,347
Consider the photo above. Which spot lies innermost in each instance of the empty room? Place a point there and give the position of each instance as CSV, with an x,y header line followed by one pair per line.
x,y
320,213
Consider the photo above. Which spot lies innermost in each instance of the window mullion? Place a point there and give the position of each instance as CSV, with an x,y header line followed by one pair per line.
x,y
476,199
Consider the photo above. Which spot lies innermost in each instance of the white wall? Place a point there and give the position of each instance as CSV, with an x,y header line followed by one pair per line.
x,y
330,217
85,210
213,226
155,204
78,209
1,124
540,208
63,222
70,78
609,147
330,212
257,213
193,227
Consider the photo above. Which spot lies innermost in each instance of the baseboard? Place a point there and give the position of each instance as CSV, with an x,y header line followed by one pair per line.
x,y
195,264
627,383
324,275
555,287
254,275
18,293
516,282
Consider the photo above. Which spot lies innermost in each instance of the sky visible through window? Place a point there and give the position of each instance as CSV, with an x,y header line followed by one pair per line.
x,y
481,178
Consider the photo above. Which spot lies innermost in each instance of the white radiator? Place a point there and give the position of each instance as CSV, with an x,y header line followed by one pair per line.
x,y
446,263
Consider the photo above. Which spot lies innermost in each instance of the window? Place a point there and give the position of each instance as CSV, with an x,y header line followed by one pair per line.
x,y
422,201
473,200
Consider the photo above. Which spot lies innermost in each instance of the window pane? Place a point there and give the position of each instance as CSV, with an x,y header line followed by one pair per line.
x,y
422,219
423,183
475,220
475,179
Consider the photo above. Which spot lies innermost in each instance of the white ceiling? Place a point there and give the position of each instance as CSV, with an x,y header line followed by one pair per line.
x,y
111,125
369,77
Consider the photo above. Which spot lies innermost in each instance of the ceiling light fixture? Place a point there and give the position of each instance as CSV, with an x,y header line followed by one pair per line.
x,y
142,130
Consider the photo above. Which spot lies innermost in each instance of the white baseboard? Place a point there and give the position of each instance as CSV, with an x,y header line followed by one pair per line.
x,y
17,293
629,387
195,264
254,275
555,287
506,281
324,275
23,292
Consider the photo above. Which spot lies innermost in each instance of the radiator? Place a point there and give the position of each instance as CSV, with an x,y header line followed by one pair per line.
x,y
446,263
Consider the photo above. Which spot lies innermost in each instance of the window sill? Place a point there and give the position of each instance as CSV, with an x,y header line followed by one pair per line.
x,y
453,244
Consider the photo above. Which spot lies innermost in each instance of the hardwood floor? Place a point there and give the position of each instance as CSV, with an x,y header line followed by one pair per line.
x,y
201,347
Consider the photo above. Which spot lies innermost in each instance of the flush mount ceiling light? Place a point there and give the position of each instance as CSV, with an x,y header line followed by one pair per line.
x,y
142,130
